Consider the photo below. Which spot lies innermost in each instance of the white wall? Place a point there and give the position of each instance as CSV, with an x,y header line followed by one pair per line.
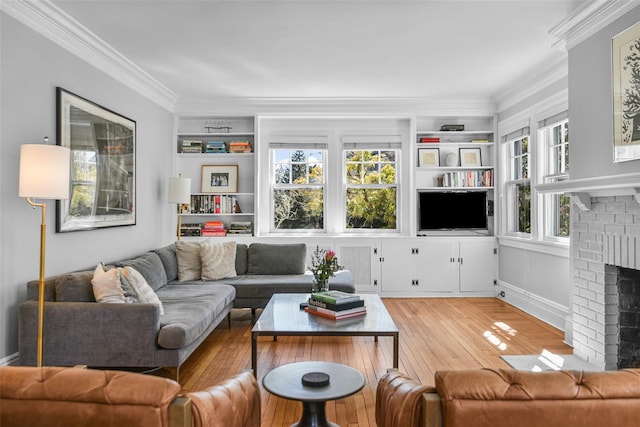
x,y
534,275
591,105
31,68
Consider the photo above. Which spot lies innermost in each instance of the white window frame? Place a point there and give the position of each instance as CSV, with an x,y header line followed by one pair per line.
x,y
546,144
293,143
511,182
364,146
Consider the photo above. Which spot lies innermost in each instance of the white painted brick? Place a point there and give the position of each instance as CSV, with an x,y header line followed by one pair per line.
x,y
605,218
596,326
618,206
588,275
614,228
611,329
624,218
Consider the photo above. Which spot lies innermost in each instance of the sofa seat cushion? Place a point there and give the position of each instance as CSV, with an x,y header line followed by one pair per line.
x,y
189,309
253,286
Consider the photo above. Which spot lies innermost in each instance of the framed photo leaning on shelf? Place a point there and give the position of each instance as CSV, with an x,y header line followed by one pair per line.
x,y
470,157
219,179
428,157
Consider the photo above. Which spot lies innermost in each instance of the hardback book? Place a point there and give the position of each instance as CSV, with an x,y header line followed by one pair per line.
x,y
429,139
338,313
336,307
335,297
329,316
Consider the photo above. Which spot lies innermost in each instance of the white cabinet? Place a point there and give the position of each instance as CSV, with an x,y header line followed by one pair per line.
x,y
442,266
362,258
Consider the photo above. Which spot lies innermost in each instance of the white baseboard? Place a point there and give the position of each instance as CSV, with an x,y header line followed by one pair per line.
x,y
542,308
12,359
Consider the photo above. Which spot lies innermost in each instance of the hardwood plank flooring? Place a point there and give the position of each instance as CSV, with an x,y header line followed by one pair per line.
x,y
435,334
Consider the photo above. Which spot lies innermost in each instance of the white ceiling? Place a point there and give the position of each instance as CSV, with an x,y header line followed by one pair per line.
x,y
329,49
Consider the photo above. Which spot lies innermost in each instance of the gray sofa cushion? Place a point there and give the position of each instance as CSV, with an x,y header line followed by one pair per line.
x,y
242,251
264,286
272,259
75,287
169,260
151,268
189,309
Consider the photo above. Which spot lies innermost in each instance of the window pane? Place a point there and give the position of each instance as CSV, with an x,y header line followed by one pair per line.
x,y
523,211
559,207
84,166
371,208
298,209
82,200
283,174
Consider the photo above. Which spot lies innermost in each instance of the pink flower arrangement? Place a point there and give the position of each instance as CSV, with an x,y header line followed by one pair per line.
x,y
324,264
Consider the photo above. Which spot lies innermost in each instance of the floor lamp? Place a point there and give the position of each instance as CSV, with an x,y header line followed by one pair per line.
x,y
180,193
44,174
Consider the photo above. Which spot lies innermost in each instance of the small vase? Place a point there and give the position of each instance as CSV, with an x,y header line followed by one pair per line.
x,y
320,285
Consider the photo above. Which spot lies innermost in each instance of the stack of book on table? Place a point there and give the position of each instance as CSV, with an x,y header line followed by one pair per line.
x,y
336,305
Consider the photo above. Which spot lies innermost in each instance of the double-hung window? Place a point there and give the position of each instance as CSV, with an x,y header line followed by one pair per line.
x,y
298,186
554,136
371,186
518,186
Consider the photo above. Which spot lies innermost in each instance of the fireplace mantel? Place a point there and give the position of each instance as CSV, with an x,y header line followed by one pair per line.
x,y
583,189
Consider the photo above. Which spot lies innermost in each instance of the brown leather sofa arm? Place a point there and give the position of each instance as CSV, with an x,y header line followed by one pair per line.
x,y
400,402
232,403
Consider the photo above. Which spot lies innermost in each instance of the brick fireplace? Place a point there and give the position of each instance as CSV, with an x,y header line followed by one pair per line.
x,y
605,250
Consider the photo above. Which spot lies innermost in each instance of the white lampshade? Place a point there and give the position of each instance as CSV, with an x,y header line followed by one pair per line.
x,y
180,190
44,171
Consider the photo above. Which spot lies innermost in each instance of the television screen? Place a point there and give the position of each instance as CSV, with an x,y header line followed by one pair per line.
x,y
452,210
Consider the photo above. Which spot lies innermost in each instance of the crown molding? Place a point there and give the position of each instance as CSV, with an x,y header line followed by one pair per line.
x,y
350,106
53,23
588,19
528,85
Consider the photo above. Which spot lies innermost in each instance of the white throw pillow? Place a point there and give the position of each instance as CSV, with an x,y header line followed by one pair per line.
x,y
218,259
189,265
106,285
137,282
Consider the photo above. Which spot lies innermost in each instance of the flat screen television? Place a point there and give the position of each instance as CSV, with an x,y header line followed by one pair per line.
x,y
452,210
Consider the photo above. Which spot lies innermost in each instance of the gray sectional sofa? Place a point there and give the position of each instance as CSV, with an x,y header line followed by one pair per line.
x,y
80,331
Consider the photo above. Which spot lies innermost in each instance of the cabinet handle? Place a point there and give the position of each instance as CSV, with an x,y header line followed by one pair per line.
x,y
375,282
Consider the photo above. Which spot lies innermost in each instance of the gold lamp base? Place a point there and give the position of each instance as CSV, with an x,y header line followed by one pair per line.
x,y
43,234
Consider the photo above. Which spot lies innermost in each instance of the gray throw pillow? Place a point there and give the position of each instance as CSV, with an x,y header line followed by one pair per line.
x,y
266,258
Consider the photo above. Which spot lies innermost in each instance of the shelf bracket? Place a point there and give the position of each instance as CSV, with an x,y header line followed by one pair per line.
x,y
583,200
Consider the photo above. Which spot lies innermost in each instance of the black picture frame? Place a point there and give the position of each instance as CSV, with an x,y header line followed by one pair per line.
x,y
102,143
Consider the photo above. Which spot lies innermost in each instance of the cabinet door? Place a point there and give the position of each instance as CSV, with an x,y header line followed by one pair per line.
x,y
419,266
437,266
478,265
399,271
362,258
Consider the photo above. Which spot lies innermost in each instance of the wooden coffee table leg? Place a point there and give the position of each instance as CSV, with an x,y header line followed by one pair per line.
x,y
314,415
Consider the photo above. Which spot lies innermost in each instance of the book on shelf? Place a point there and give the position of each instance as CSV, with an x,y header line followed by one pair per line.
x,y
215,147
190,229
335,297
240,227
240,147
311,310
336,307
428,139
479,141
191,146
483,178
210,203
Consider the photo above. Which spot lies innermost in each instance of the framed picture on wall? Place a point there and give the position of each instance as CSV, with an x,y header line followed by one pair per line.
x,y
103,165
219,179
626,94
470,157
428,157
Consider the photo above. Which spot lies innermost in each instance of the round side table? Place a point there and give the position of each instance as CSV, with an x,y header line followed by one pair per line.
x,y
286,381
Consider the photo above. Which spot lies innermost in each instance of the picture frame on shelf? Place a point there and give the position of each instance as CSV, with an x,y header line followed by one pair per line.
x,y
219,179
470,157
626,90
428,157
103,163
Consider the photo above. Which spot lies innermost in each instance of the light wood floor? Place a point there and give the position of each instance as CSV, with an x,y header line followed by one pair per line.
x,y
435,334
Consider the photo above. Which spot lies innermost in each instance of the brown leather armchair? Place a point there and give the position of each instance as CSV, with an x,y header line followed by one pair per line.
x,y
506,398
70,397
